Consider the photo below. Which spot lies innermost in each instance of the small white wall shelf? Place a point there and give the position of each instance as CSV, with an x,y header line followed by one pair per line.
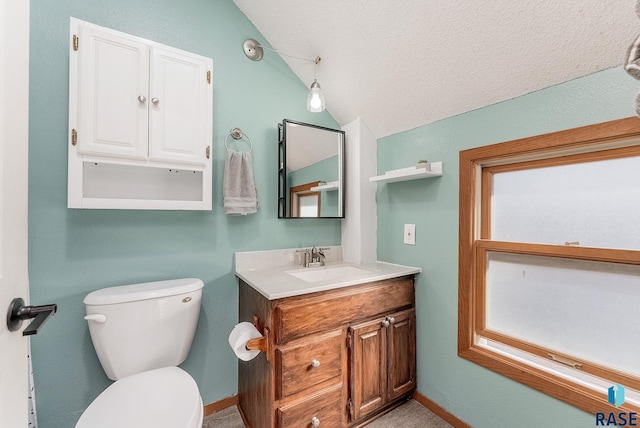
x,y
410,173
332,185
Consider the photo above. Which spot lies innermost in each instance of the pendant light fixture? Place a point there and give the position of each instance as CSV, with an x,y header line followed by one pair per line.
x,y
315,99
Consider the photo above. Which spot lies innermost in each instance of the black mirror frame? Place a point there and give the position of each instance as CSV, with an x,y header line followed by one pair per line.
x,y
282,168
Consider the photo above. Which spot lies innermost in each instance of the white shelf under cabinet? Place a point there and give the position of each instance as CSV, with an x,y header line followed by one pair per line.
x,y
410,173
332,185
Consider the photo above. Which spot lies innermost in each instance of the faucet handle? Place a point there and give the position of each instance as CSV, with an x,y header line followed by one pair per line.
x,y
301,256
320,255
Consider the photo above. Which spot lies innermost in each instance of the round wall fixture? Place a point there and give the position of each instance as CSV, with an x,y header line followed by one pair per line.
x,y
252,49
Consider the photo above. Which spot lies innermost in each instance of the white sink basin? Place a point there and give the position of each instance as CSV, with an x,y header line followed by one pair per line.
x,y
329,273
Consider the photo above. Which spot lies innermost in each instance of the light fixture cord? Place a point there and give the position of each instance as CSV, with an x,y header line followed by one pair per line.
x,y
315,69
316,59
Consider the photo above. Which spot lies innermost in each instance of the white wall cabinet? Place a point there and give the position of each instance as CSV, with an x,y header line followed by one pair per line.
x,y
140,123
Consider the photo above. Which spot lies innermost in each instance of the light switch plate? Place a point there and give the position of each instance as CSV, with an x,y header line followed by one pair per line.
x,y
410,234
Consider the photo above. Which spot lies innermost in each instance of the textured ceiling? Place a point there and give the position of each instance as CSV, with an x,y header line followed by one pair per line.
x,y
405,63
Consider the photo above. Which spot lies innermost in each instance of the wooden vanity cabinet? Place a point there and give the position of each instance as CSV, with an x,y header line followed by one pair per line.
x,y
334,359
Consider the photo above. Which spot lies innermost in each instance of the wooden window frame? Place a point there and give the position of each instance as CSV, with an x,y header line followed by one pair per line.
x,y
303,190
608,140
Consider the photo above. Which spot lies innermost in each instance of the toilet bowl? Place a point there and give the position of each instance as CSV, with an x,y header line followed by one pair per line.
x,y
141,333
161,398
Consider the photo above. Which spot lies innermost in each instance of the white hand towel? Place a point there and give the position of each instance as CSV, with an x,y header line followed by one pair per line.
x,y
239,188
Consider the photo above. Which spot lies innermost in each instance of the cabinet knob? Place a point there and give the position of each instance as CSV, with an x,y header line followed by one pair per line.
x,y
391,319
155,101
385,323
315,422
315,363
142,99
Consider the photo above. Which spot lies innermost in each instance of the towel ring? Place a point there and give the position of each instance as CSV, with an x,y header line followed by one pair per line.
x,y
237,134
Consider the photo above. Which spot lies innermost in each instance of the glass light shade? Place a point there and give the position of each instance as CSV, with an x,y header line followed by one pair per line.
x,y
315,99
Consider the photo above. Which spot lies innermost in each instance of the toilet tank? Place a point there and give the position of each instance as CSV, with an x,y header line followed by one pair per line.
x,y
140,327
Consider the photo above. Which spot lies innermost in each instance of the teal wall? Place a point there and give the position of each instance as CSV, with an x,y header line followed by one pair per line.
x,y
73,252
474,394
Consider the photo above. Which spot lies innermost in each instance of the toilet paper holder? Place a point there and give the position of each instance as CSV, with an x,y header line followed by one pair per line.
x,y
260,343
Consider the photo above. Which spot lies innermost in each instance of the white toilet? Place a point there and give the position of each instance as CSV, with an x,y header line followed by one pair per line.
x,y
141,332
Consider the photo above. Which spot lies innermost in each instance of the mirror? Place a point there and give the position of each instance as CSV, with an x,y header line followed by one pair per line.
x,y
311,171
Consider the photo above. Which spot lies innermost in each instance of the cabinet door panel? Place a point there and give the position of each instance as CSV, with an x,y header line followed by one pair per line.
x,y
368,367
325,406
294,363
114,72
402,353
178,107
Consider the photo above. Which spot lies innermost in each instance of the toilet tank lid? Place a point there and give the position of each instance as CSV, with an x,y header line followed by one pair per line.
x,y
143,291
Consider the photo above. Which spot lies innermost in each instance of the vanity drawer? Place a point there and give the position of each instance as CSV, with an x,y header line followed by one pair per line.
x,y
308,362
301,315
325,408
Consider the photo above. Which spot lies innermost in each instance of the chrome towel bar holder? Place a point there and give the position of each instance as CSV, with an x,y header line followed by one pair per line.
x,y
237,134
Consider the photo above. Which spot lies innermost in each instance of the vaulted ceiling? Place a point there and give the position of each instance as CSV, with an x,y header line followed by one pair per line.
x,y
406,63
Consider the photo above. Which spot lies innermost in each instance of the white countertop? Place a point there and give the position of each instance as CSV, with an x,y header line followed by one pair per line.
x,y
275,282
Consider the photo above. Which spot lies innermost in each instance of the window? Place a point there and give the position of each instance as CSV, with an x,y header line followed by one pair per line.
x,y
549,261
305,202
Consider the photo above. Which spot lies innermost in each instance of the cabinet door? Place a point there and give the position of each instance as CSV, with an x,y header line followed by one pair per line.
x,y
402,353
179,110
112,91
368,367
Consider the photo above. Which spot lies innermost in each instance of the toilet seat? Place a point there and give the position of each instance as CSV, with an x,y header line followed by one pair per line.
x,y
161,398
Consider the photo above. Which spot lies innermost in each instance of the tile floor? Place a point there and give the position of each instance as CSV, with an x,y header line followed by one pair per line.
x,y
410,415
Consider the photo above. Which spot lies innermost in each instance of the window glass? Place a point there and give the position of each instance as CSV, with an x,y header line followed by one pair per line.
x,y
593,203
577,307
308,205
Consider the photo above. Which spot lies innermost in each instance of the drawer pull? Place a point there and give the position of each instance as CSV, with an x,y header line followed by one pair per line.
x,y
315,363
315,422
